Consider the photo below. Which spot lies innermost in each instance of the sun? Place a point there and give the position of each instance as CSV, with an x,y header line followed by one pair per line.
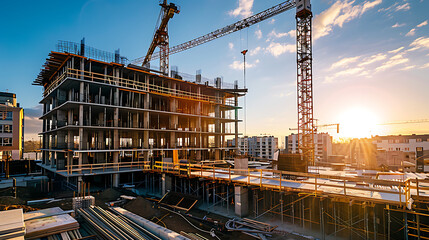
x,y
358,123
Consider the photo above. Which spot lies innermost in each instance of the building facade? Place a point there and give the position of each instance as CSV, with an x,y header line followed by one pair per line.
x,y
258,146
400,151
322,145
105,119
11,127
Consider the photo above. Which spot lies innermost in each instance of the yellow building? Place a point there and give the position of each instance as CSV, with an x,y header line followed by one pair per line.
x,y
11,127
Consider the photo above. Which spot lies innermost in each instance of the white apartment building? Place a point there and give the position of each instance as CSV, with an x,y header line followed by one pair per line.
x,y
322,145
258,146
404,143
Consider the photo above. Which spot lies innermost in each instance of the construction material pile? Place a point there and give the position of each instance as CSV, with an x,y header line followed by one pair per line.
x,y
48,222
113,225
12,224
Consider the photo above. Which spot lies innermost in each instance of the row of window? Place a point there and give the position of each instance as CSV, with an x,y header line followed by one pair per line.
x,y
402,140
5,115
5,128
407,149
5,141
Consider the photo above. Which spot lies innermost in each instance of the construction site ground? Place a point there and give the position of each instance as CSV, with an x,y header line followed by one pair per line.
x,y
140,206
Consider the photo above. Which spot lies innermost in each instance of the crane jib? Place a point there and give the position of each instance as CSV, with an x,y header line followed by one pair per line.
x,y
247,22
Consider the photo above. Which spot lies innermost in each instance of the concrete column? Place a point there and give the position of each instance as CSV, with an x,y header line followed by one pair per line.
x,y
237,150
174,119
146,125
166,184
116,146
241,200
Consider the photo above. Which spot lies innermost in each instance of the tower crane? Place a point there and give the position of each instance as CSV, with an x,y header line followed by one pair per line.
x,y
304,59
317,127
160,38
405,122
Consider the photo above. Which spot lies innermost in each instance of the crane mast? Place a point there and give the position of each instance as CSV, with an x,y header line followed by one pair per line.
x,y
304,59
160,38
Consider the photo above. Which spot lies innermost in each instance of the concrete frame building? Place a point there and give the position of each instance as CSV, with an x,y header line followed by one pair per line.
x,y
11,127
322,145
105,120
258,146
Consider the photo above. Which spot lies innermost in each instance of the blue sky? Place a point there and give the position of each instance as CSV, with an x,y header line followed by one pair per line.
x,y
371,57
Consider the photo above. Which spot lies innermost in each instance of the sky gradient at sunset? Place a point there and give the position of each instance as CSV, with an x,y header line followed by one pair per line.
x,y
370,57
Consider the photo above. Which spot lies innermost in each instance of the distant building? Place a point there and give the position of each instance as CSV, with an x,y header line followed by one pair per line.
x,y
258,146
11,127
363,153
322,145
399,151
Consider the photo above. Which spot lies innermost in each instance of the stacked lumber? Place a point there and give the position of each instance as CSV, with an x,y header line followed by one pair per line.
x,y
48,222
12,224
250,227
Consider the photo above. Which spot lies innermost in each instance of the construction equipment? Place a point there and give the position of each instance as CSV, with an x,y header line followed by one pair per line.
x,y
247,22
304,61
405,122
317,127
160,38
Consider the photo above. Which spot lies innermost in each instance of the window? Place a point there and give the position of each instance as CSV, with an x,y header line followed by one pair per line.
x,y
418,140
6,115
7,128
7,141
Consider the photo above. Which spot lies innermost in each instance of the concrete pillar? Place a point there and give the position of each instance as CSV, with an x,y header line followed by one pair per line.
x,y
241,200
166,183
237,150
115,177
174,119
146,124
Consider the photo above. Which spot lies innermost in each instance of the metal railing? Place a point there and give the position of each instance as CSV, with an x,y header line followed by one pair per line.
x,y
104,167
129,83
362,188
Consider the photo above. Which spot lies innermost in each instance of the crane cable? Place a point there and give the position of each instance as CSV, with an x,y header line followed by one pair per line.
x,y
211,232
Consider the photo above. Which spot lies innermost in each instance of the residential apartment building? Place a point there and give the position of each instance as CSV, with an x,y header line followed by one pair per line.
x,y
400,151
11,127
104,120
258,146
322,145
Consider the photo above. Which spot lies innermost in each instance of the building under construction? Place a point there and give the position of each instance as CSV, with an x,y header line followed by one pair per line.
x,y
105,119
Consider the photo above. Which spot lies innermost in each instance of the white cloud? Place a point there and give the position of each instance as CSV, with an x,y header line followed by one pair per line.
x,y
272,21
344,62
277,49
408,68
238,65
339,13
258,33
273,34
255,51
425,66
372,59
405,7
396,50
393,61
231,45
396,25
423,24
244,9
411,32
421,42
396,7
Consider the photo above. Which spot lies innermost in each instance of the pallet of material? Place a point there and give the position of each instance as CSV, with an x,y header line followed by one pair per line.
x,y
48,222
12,224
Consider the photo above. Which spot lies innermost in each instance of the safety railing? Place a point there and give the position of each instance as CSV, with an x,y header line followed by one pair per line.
x,y
105,167
129,83
366,189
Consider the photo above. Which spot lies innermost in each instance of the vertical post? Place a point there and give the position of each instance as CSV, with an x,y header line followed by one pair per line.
x,y
388,222
227,198
260,182
335,220
418,226
375,222
281,206
322,221
405,226
350,220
